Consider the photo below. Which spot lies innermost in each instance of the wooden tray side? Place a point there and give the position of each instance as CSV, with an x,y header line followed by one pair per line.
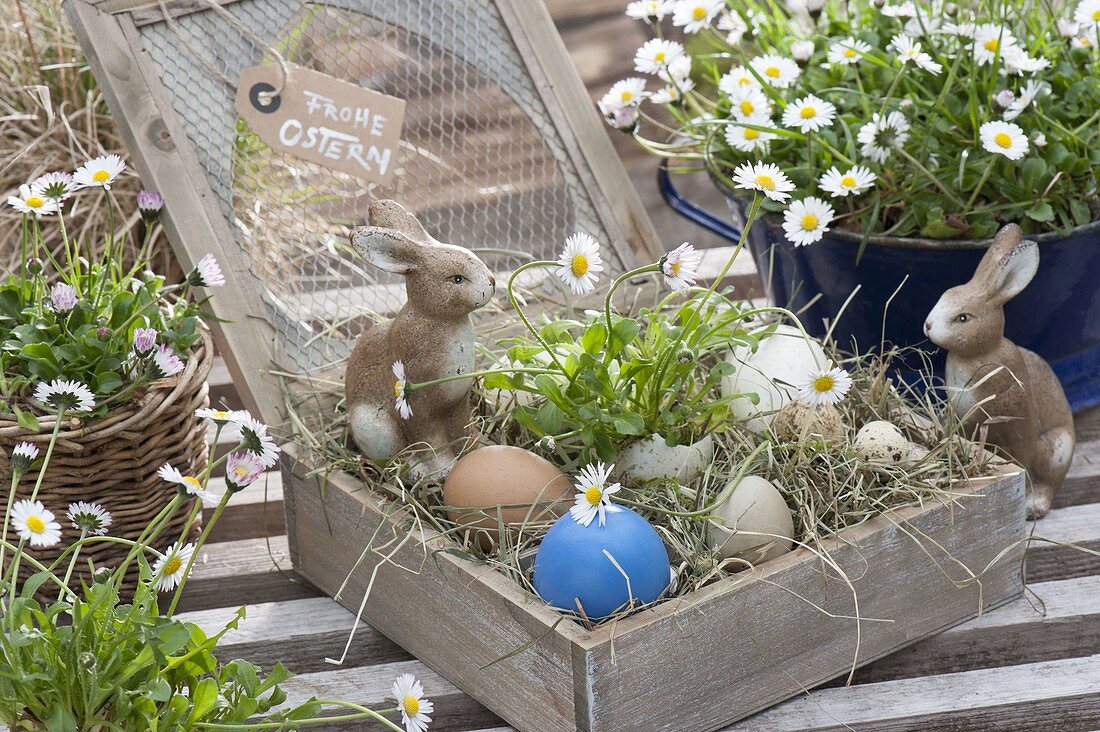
x,y
456,616
736,651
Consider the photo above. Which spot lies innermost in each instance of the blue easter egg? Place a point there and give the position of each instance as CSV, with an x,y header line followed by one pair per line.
x,y
570,564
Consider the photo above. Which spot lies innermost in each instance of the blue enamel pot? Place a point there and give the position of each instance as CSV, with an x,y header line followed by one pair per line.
x,y
900,279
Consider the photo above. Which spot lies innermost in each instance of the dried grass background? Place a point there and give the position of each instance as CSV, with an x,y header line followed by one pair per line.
x,y
53,117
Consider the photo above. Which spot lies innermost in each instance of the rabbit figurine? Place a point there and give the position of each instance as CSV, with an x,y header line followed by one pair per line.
x,y
431,336
1027,412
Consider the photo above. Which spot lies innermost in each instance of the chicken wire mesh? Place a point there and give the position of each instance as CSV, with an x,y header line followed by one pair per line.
x,y
481,162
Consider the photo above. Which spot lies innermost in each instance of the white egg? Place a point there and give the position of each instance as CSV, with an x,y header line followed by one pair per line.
x,y
755,507
652,458
882,442
800,421
783,359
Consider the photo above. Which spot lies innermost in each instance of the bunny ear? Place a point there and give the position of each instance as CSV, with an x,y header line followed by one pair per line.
x,y
389,214
1008,266
386,249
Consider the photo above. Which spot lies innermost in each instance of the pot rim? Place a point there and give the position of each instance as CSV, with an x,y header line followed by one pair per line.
x,y
905,242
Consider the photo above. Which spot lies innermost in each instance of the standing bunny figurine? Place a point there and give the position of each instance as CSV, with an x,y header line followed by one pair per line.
x,y
431,337
1027,411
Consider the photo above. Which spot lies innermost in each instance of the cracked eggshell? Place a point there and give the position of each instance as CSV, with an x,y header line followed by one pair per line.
x,y
798,420
755,505
782,360
882,442
651,458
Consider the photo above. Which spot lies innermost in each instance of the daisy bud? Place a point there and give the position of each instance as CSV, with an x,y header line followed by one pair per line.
x,y
102,575
103,333
87,661
22,457
241,470
1004,98
34,265
144,340
802,50
165,363
1039,139
63,297
149,204
685,357
624,119
206,273
1068,28
951,9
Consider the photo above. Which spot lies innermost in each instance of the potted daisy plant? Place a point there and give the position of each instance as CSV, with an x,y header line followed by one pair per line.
x,y
102,363
896,137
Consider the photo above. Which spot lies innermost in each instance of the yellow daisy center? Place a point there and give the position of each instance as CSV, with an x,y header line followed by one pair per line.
x,y
192,482
1003,139
772,71
240,472
848,181
766,182
809,222
659,57
36,524
34,202
579,265
593,495
399,389
991,45
808,112
1096,15
747,107
411,705
824,384
699,13
751,134
172,566
674,267
744,81
220,414
100,176
849,53
626,96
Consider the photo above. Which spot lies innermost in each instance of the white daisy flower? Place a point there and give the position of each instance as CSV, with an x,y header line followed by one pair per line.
x,y
680,267
806,221
593,497
673,93
206,273
776,70
190,485
252,435
653,11
35,523
89,518
852,182
169,568
655,54
165,362
695,15
734,27
991,41
748,139
802,50
22,458
67,396
825,386
63,297
101,171
1078,42
1087,15
1004,138
1068,28
579,263
809,114
1028,94
900,10
1018,62
623,93
1004,98
882,135
909,50
415,709
848,52
401,391
56,186
678,70
962,30
735,79
29,202
749,101
925,25
764,177
221,416
241,470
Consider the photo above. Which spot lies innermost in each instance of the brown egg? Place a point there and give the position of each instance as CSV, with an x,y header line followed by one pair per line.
x,y
500,475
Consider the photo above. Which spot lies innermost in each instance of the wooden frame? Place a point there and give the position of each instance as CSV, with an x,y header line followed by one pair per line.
x,y
710,658
110,32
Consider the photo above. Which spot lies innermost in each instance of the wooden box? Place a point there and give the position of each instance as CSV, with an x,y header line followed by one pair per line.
x,y
698,662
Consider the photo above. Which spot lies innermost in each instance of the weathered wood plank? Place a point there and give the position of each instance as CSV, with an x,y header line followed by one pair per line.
x,y
234,573
255,512
1078,525
1082,483
1052,695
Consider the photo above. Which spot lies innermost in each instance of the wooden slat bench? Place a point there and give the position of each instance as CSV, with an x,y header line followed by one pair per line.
x,y
1034,663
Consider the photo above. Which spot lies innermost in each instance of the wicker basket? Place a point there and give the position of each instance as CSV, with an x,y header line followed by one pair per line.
x,y
113,461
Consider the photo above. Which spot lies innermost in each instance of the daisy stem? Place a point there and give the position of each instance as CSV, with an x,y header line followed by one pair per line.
x,y
810,153
519,311
148,535
198,548
928,174
7,520
359,713
484,372
892,89
69,570
611,293
14,579
981,182
49,453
